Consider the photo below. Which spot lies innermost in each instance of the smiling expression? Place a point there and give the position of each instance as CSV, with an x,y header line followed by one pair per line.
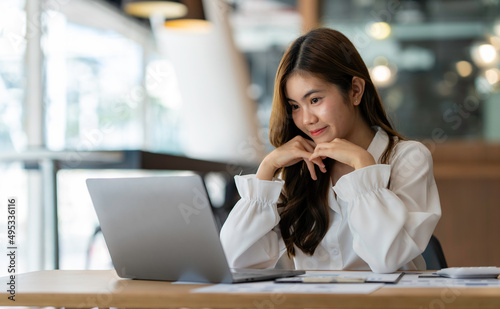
x,y
319,109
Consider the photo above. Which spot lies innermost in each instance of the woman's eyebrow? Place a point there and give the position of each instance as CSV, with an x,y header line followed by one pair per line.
x,y
312,91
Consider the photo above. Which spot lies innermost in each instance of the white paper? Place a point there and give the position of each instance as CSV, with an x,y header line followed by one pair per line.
x,y
412,280
367,275
271,287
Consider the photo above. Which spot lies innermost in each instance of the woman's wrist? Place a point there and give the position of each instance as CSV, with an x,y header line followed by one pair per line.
x,y
364,161
266,170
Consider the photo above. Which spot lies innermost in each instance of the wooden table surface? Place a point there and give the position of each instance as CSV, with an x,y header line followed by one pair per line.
x,y
103,288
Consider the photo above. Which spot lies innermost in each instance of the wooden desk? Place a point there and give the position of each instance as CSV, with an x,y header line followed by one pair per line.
x,y
103,288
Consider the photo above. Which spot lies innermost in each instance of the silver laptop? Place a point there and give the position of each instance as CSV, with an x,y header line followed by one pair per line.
x,y
163,228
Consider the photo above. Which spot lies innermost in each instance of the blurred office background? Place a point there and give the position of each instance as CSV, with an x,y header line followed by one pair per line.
x,y
84,78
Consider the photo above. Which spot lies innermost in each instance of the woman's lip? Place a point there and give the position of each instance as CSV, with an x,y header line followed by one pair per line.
x,y
317,132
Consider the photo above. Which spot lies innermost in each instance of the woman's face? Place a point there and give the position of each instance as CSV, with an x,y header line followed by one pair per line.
x,y
319,109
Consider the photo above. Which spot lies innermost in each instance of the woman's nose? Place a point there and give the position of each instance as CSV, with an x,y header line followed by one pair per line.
x,y
309,117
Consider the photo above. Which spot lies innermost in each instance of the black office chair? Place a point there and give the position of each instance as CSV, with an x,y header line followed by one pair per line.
x,y
433,255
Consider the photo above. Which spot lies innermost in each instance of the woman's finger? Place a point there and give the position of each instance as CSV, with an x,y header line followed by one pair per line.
x,y
319,163
311,143
317,154
308,145
310,149
312,171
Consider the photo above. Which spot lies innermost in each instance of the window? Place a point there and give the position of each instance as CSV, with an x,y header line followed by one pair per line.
x,y
12,48
95,98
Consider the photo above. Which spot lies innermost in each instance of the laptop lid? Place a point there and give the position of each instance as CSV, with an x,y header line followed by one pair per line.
x,y
162,228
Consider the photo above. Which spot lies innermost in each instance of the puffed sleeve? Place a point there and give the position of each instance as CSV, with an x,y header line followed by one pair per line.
x,y
250,235
392,226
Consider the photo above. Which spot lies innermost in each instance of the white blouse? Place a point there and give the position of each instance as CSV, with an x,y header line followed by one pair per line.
x,y
371,227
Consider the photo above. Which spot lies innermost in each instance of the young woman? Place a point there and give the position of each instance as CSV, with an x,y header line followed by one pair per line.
x,y
342,189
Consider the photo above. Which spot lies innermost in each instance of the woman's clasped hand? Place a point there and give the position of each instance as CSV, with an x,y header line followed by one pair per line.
x,y
301,149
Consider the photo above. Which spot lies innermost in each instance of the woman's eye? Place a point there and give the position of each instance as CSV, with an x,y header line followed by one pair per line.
x,y
314,100
294,106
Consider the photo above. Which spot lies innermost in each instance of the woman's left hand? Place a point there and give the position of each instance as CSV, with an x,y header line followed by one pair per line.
x,y
345,152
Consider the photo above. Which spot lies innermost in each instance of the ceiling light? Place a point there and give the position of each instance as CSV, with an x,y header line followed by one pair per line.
x,y
145,9
487,52
464,68
380,30
383,75
484,55
189,25
492,76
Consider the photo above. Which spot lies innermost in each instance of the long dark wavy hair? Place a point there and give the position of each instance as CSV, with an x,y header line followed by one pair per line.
x,y
329,55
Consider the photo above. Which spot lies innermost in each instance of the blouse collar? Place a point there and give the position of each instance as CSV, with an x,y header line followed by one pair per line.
x,y
378,144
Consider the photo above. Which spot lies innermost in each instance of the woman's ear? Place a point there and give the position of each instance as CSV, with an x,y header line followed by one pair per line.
x,y
358,88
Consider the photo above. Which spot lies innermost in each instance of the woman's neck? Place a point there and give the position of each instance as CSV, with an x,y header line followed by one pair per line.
x,y
362,134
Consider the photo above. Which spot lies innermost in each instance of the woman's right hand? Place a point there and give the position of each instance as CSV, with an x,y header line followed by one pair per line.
x,y
292,152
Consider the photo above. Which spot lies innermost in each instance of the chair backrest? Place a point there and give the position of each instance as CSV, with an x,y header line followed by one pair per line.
x,y
433,255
